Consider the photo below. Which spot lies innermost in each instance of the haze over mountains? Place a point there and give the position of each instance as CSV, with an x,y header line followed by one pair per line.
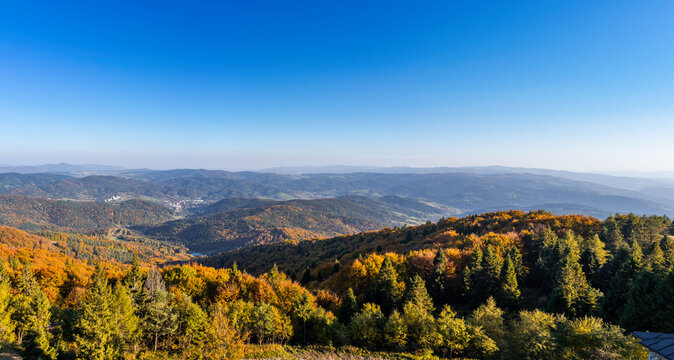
x,y
215,210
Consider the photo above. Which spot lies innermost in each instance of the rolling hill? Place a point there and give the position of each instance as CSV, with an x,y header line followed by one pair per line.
x,y
234,223
42,214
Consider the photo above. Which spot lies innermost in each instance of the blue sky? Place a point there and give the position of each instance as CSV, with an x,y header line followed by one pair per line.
x,y
578,85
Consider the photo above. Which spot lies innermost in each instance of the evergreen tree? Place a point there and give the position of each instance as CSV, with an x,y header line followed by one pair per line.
x,y
592,257
509,293
126,329
94,326
366,327
437,284
416,293
489,317
420,326
628,263
642,302
452,332
571,292
491,270
134,278
36,342
395,331
385,290
191,327
157,314
348,307
21,308
655,259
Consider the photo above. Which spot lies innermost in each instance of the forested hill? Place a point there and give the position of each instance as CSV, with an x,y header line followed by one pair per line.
x,y
621,268
41,214
240,222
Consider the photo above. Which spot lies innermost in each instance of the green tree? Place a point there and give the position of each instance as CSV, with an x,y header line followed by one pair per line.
x,y
268,324
571,292
420,326
437,284
453,335
157,314
416,293
627,262
21,309
395,331
509,292
489,317
37,340
348,307
134,278
126,328
366,327
386,291
531,336
94,326
191,326
593,256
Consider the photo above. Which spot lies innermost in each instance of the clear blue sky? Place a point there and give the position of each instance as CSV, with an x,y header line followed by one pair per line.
x,y
580,85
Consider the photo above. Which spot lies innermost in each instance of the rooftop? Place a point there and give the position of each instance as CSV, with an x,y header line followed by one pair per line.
x,y
659,343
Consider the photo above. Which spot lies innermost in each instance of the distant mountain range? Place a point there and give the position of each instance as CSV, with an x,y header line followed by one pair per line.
x,y
212,210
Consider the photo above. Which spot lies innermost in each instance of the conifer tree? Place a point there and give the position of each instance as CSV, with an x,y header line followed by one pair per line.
x,y
191,327
21,303
571,292
452,331
94,332
157,314
126,327
628,263
438,282
395,331
134,278
416,293
36,341
592,257
470,274
489,317
642,302
509,290
348,307
385,290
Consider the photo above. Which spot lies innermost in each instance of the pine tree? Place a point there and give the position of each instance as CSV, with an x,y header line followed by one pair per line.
x,y
509,290
94,332
452,331
21,303
157,314
592,257
126,327
571,292
191,328
134,278
488,277
395,331
628,262
642,302
438,282
416,293
348,307
385,290
36,342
